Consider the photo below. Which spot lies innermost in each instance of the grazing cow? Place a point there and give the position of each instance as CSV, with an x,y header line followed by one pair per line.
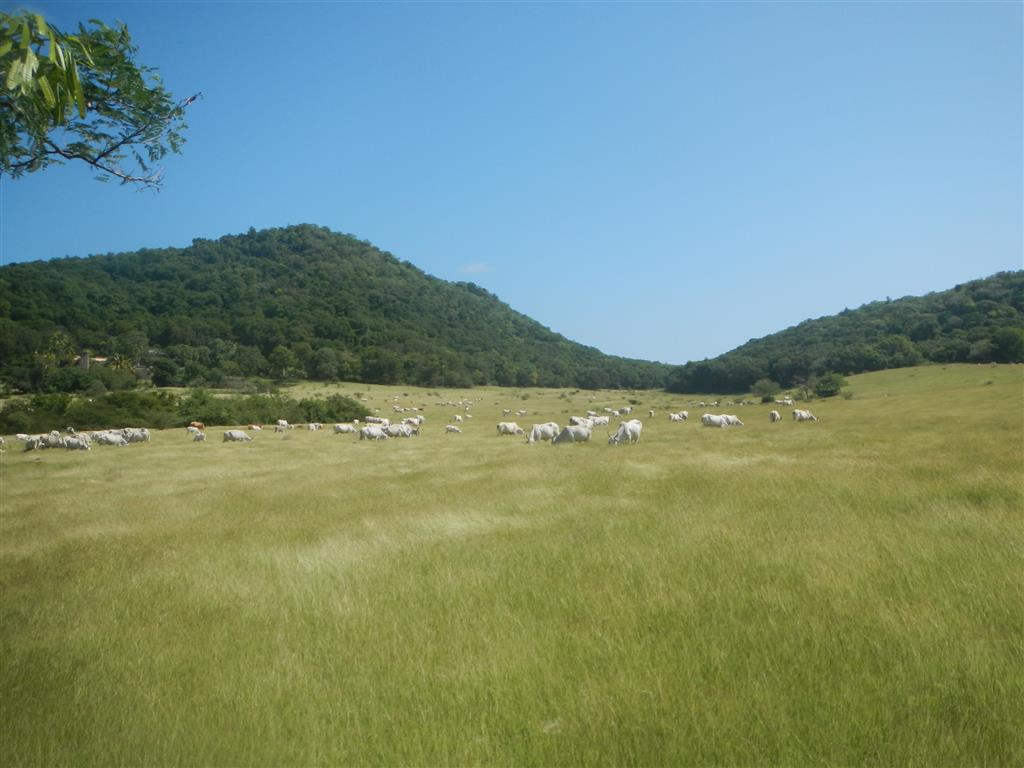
x,y
626,410
540,432
457,418
313,426
628,432
378,420
452,428
373,432
598,421
681,416
732,421
774,416
401,430
799,415
574,433
509,428
133,435
708,420
651,413
111,438
344,428
199,437
236,436
584,421
198,425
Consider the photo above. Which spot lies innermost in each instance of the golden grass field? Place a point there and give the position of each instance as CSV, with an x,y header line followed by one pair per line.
x,y
844,592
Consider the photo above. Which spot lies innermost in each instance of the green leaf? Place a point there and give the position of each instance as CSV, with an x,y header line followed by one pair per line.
x,y
26,36
76,90
6,47
47,90
44,30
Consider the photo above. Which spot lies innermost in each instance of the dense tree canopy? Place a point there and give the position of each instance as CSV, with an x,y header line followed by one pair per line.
x,y
294,302
981,321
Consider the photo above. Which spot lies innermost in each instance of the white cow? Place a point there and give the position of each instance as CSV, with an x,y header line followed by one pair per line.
x,y
344,428
708,420
732,420
452,428
799,415
628,432
373,432
110,438
583,421
681,416
574,433
199,437
509,428
457,418
76,444
774,416
541,432
133,435
236,436
401,430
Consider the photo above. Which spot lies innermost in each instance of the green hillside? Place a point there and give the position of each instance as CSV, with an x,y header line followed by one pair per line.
x,y
981,321
297,302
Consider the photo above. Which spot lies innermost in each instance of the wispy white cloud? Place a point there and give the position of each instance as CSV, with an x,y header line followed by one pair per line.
x,y
476,269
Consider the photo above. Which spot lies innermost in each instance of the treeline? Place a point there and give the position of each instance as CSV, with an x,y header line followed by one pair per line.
x,y
981,321
297,302
163,410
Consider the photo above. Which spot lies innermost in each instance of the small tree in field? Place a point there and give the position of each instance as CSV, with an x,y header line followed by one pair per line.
x,y
829,384
766,389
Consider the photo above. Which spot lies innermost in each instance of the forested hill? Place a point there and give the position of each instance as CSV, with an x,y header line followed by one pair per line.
x,y
980,321
299,301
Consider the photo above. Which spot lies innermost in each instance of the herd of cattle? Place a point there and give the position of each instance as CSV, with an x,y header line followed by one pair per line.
x,y
580,429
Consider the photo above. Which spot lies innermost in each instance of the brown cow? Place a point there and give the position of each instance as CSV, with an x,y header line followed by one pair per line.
x,y
197,425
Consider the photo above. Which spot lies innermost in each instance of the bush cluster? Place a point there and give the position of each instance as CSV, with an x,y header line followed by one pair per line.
x,y
163,410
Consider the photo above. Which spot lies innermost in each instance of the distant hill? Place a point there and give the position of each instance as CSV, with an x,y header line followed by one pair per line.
x,y
980,321
299,301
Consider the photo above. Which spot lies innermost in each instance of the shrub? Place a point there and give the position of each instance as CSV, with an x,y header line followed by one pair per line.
x,y
828,384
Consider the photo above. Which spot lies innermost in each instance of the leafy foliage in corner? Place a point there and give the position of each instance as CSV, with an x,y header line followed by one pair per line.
x,y
112,113
981,321
296,302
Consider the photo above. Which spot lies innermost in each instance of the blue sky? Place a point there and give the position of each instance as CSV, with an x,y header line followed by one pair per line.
x,y
658,180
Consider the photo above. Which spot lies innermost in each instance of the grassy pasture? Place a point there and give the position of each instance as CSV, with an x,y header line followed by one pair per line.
x,y
843,592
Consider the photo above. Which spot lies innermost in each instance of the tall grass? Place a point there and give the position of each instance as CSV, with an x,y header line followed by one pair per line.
x,y
845,592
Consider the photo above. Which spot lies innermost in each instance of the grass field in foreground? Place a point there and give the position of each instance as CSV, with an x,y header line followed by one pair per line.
x,y
844,592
